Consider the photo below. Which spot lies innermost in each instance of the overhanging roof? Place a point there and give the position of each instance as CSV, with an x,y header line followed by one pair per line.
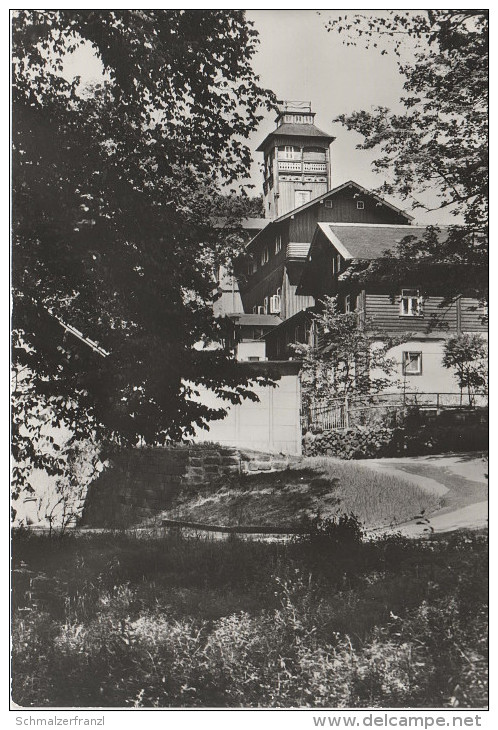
x,y
255,320
367,241
295,130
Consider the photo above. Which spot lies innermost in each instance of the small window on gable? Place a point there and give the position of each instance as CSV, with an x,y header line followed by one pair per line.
x,y
412,363
329,203
360,205
411,303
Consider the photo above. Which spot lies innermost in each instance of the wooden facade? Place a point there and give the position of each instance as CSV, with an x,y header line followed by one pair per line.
x,y
274,260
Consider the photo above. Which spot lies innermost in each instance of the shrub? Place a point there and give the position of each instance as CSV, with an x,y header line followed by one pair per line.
x,y
349,623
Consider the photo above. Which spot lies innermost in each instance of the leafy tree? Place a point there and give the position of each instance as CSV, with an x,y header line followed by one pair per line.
x,y
439,143
349,359
466,354
115,185
440,140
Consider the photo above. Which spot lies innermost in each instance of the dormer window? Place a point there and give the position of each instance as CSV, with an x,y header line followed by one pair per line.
x,y
411,303
360,205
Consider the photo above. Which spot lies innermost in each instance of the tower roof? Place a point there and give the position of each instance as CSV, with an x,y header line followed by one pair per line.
x,y
288,129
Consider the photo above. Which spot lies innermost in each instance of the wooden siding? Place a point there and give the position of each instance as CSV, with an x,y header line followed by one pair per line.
x,y
266,287
383,312
287,189
343,210
473,316
291,303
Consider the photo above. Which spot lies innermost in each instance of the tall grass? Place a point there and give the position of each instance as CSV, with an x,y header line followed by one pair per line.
x,y
326,621
317,484
378,499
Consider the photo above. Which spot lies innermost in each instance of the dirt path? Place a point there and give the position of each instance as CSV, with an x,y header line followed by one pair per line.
x,y
458,479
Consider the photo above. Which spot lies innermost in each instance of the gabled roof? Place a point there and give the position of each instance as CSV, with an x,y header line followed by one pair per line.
x,y
366,240
295,130
266,224
333,191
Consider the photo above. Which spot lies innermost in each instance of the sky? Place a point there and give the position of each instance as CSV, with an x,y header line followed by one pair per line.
x,y
299,60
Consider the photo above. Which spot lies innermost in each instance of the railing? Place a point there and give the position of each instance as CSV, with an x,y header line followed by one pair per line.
x,y
340,415
290,166
315,167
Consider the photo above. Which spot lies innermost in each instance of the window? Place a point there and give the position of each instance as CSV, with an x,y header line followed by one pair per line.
x,y
360,205
278,243
265,305
347,303
291,153
329,204
265,256
412,363
411,303
301,197
253,358
338,263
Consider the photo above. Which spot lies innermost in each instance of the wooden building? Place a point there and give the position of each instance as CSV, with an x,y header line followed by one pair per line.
x,y
306,245
409,303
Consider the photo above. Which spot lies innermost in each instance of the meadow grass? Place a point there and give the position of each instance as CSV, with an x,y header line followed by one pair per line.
x,y
326,620
316,485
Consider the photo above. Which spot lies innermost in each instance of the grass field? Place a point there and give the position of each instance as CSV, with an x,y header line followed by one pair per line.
x,y
330,620
316,485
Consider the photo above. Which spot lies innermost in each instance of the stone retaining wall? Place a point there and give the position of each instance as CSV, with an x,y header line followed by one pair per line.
x,y
140,483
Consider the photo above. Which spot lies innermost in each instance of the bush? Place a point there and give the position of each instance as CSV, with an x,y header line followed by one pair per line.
x,y
331,621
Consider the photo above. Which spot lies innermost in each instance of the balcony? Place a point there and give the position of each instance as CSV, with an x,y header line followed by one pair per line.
x,y
290,166
315,167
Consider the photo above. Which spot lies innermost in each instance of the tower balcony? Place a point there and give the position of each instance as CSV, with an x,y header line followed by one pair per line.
x,y
315,167
290,166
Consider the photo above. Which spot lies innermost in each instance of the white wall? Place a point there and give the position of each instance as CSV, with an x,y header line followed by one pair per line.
x,y
434,378
272,425
245,350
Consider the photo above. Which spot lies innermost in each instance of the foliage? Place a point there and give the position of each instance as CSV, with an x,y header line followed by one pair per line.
x,y
115,185
466,354
439,142
111,621
351,359
441,137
